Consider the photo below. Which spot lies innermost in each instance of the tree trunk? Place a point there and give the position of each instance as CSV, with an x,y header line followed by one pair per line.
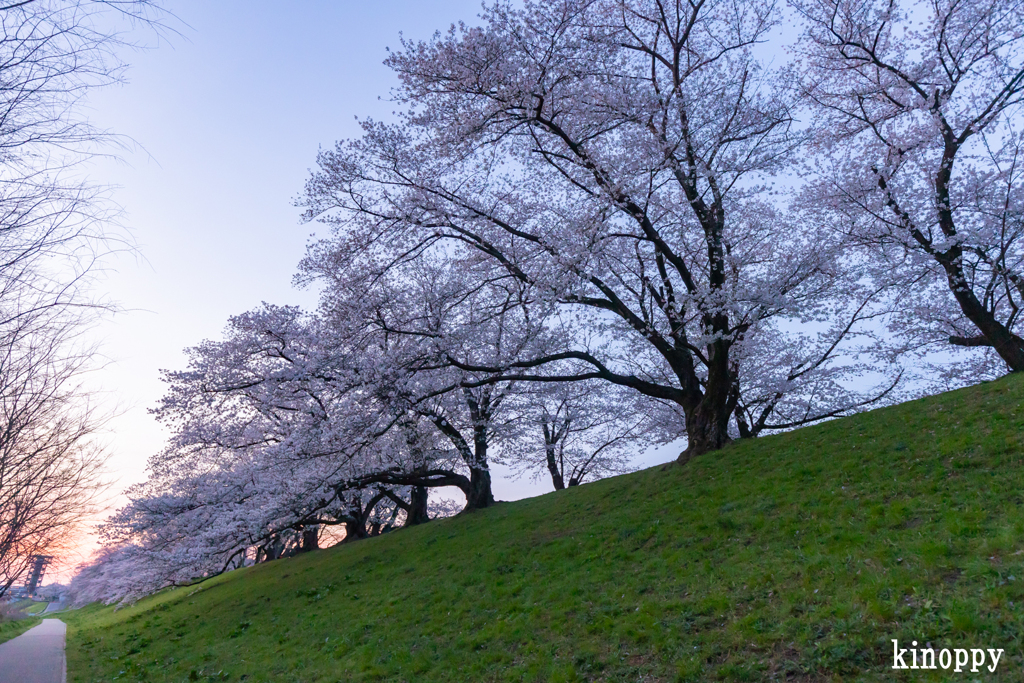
x,y
275,548
1009,346
556,475
707,423
417,512
741,425
707,429
355,530
479,494
310,538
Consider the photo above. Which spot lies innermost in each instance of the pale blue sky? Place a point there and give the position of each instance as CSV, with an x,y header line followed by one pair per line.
x,y
228,117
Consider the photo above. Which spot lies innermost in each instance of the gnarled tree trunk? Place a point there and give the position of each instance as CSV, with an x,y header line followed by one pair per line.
x,y
417,512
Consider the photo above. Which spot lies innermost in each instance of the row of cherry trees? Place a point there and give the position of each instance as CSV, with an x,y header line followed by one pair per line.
x,y
600,224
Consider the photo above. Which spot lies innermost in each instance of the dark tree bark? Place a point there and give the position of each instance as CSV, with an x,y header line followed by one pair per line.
x,y
556,475
416,507
355,530
481,409
551,438
1008,345
310,538
274,549
417,512
479,494
707,425
356,515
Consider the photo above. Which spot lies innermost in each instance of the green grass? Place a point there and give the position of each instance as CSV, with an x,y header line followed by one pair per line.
x,y
35,607
15,627
20,605
793,557
11,628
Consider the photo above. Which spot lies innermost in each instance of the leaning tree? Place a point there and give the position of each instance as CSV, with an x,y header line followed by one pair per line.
x,y
918,116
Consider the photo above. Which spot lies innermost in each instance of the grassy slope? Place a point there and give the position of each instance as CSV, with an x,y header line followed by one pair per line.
x,y
795,556
12,628
15,627
35,607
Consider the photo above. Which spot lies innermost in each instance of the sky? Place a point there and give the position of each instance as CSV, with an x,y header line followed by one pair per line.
x,y
225,120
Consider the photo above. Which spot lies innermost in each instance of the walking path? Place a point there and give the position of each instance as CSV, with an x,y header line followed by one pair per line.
x,y
36,656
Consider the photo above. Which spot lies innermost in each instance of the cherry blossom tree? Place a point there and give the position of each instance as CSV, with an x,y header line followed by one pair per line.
x,y
288,426
575,431
569,243
419,315
614,158
918,121
103,578
261,438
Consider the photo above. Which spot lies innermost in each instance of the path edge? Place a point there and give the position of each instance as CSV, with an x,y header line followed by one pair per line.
x,y
64,656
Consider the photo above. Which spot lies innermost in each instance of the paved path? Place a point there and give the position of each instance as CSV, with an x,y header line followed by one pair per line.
x,y
54,607
36,656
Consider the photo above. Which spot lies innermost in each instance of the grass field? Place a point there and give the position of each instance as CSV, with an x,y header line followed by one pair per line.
x,y
13,628
794,557
26,606
35,607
